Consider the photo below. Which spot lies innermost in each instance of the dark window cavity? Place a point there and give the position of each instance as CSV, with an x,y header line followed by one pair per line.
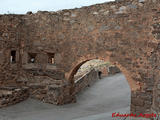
x,y
51,59
32,57
13,56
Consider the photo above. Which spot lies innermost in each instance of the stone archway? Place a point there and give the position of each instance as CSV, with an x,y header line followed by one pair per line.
x,y
135,86
77,64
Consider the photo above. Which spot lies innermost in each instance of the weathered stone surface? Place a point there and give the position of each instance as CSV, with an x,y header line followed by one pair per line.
x,y
95,13
10,95
141,1
103,28
132,6
113,70
121,10
86,81
106,13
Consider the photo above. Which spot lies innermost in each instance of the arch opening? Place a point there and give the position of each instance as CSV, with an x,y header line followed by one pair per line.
x,y
134,86
108,78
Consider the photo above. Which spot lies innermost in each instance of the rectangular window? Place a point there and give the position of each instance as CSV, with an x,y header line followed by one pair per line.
x,y
13,56
51,58
32,57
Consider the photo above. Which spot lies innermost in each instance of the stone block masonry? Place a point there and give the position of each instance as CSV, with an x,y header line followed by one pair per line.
x,y
49,90
54,45
12,95
86,80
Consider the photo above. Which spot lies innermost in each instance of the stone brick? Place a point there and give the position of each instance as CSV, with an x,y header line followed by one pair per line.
x,y
137,102
141,1
121,10
103,28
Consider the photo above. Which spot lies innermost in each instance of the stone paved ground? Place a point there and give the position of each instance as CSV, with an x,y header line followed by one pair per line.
x,y
98,102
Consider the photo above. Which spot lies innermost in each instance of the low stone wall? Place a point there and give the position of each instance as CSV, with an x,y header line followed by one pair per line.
x,y
86,80
12,95
59,95
113,70
57,92
50,90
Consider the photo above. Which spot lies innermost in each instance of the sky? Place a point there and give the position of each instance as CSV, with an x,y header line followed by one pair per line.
x,y
23,6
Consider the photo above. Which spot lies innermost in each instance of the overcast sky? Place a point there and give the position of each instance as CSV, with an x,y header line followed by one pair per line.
x,y
22,6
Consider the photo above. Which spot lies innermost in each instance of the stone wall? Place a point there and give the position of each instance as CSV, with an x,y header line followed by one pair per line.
x,y
57,91
124,32
10,27
86,80
113,70
155,60
49,90
12,95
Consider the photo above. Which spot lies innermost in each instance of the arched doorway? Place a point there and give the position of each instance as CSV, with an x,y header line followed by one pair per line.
x,y
76,66
112,81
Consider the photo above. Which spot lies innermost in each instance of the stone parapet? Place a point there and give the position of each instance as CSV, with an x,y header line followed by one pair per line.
x,y
12,95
